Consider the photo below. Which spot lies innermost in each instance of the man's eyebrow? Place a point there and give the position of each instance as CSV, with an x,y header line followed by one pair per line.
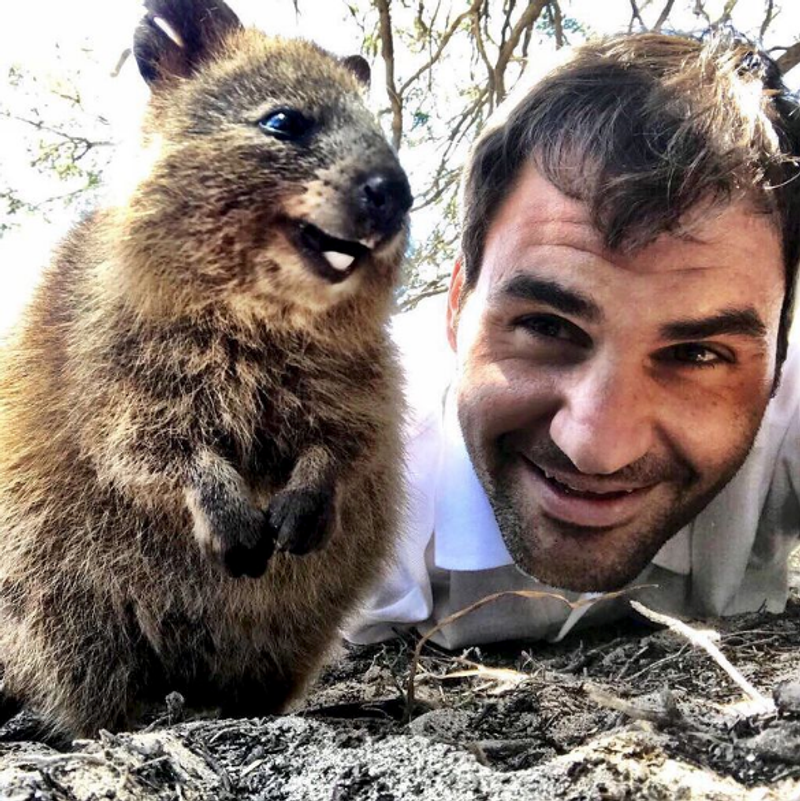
x,y
739,322
551,293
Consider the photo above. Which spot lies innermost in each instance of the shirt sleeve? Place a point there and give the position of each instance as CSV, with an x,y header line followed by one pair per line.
x,y
780,520
782,508
767,578
403,596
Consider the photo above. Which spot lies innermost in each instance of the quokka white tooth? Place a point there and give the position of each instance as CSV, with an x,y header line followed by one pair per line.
x,y
339,261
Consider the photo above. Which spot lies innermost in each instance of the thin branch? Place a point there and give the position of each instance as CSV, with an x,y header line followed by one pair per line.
x,y
42,204
437,287
448,34
488,599
526,42
702,640
768,15
506,27
662,17
40,126
635,15
526,21
667,715
491,78
700,11
439,186
123,57
557,21
459,126
727,10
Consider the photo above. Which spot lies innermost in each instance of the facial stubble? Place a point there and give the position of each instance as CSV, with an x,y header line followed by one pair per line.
x,y
538,547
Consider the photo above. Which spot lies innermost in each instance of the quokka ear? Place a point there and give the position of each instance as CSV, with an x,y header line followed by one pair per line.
x,y
176,37
359,66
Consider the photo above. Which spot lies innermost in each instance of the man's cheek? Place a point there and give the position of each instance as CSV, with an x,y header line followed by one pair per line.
x,y
719,427
493,402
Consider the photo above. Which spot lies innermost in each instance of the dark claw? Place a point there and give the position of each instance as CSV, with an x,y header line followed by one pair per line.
x,y
303,519
250,559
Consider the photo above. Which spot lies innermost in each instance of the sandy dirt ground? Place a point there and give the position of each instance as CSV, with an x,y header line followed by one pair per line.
x,y
632,711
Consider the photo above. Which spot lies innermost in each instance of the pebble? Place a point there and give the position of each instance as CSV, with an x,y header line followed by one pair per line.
x,y
787,697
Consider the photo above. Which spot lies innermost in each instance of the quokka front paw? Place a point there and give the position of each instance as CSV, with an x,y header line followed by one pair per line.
x,y
249,559
241,544
303,519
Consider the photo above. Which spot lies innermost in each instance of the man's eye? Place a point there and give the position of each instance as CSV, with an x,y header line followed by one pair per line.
x,y
286,124
548,326
696,355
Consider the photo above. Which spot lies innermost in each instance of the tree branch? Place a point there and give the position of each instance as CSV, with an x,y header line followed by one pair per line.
x,y
790,58
700,11
481,47
526,21
72,138
767,19
726,12
557,20
448,34
662,17
635,15
387,52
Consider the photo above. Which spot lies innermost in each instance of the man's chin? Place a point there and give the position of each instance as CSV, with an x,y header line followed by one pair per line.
x,y
590,579
582,559
578,542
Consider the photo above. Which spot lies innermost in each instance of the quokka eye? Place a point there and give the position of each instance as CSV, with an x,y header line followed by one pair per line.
x,y
286,124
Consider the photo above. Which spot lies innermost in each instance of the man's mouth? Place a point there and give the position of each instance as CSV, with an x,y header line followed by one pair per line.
x,y
593,490
588,501
329,257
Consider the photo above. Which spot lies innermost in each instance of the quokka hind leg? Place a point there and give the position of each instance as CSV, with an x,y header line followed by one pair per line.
x,y
258,696
78,678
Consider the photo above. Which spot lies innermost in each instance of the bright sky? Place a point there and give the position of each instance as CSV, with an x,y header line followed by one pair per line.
x,y
36,30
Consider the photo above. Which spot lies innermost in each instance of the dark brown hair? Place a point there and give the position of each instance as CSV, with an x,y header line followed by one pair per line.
x,y
645,128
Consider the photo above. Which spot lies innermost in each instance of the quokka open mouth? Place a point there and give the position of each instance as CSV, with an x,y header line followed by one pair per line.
x,y
331,258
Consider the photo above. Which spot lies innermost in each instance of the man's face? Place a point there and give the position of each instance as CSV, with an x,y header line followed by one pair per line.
x,y
605,398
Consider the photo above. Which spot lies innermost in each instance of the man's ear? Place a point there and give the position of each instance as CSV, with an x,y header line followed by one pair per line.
x,y
176,37
454,301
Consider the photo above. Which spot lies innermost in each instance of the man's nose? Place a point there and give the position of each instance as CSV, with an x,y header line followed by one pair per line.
x,y
605,420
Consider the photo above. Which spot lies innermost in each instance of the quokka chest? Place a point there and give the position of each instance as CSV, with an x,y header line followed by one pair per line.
x,y
257,402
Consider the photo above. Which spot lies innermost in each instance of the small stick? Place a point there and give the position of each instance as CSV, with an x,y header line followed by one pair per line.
x,y
702,639
533,594
44,760
668,715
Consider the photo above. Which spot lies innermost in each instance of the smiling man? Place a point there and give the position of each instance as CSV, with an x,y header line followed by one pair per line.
x,y
620,408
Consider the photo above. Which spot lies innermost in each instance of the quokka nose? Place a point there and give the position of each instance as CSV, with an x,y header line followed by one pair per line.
x,y
385,197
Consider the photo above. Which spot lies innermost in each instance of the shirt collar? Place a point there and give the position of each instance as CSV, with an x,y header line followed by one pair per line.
x,y
467,535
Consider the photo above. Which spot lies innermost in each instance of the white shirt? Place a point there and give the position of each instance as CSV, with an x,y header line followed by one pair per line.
x,y
731,558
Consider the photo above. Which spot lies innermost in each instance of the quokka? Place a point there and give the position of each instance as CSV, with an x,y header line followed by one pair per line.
x,y
199,410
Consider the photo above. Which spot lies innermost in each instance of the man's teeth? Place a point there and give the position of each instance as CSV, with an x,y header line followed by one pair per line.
x,y
564,484
339,261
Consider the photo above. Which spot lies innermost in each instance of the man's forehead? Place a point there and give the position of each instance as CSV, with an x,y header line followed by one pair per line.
x,y
538,216
535,200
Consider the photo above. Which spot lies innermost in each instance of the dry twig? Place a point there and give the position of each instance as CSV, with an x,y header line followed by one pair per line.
x,y
703,640
667,715
532,594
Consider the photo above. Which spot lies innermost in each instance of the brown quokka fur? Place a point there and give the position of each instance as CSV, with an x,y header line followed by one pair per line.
x,y
202,393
